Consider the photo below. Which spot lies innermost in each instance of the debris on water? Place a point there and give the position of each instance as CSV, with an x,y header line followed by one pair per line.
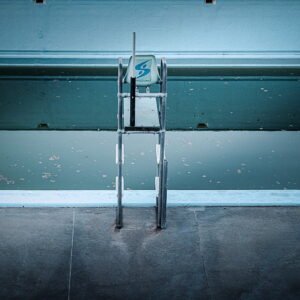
x,y
204,176
46,175
77,171
239,171
54,157
104,176
6,180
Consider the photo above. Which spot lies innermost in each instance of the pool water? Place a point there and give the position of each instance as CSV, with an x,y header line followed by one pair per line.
x,y
197,160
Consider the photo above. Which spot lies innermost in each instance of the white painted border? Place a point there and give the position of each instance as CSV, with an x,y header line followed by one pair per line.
x,y
142,198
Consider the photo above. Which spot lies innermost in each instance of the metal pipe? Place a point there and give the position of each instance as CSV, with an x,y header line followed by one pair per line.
x,y
141,132
133,54
161,176
144,95
164,196
132,86
161,210
119,212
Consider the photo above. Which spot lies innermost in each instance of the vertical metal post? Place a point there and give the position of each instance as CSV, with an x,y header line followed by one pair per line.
x,y
157,174
132,85
162,195
133,53
119,212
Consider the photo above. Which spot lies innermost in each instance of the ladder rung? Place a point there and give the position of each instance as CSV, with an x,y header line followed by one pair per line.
x,y
129,128
148,95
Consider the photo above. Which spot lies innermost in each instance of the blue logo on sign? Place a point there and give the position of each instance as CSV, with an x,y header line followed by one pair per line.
x,y
142,68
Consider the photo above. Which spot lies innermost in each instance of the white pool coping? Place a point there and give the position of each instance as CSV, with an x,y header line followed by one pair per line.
x,y
146,198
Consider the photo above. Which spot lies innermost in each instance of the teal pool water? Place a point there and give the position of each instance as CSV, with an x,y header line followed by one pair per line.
x,y
197,160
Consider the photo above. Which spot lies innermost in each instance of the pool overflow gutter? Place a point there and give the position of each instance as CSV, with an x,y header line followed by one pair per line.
x,y
143,112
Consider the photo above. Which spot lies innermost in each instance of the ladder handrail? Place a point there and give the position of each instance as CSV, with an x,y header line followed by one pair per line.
x,y
119,213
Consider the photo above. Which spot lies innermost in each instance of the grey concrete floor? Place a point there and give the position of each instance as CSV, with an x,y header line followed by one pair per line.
x,y
205,253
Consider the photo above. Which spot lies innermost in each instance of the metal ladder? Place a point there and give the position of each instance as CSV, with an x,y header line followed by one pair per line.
x,y
144,79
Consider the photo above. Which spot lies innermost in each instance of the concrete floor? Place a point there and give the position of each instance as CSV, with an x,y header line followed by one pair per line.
x,y
205,253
